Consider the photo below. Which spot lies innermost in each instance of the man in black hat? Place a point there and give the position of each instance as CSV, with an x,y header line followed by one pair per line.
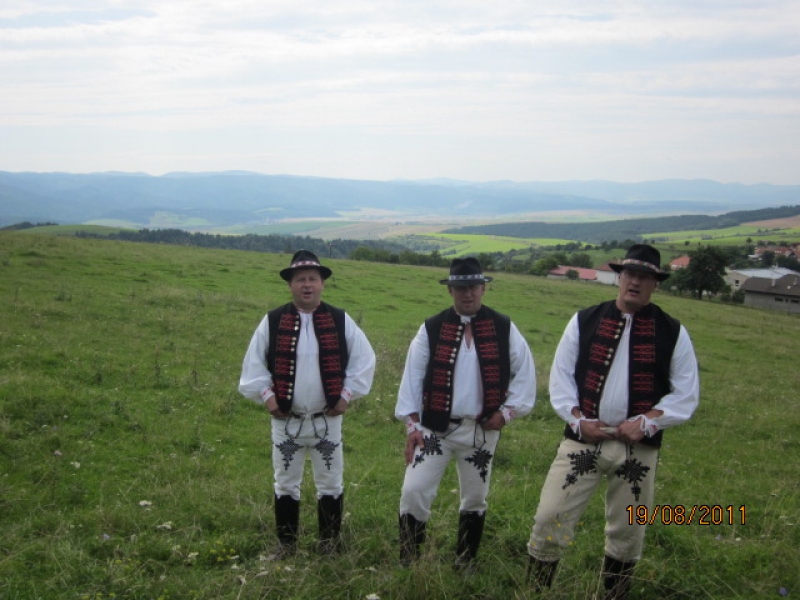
x,y
623,372
468,373
306,362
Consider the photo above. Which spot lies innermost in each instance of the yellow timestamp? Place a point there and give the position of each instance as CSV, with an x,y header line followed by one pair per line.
x,y
678,514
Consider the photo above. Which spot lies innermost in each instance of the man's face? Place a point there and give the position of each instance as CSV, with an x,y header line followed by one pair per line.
x,y
306,286
635,289
467,299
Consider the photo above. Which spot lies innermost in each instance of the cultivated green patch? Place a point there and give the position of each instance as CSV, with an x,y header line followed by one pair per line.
x,y
130,467
453,244
729,236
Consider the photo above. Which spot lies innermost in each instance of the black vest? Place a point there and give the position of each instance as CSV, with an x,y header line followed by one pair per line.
x,y
490,333
284,329
652,341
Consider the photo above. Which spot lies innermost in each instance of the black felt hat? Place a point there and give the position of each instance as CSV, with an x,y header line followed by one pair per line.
x,y
464,272
642,257
304,259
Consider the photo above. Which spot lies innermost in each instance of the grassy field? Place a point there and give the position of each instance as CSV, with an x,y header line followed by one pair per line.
x,y
730,236
130,467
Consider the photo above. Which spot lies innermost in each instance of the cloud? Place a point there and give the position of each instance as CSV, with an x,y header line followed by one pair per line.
x,y
572,75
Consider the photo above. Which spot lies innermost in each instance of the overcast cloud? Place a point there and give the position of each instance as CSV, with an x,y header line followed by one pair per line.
x,y
520,90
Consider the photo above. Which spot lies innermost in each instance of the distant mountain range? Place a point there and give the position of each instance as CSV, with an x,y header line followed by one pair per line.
x,y
208,201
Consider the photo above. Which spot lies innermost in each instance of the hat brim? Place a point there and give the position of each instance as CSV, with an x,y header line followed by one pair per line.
x,y
465,282
286,274
660,276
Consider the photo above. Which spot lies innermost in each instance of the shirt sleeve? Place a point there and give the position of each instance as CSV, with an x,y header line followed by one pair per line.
x,y
522,385
681,402
409,397
255,378
563,389
361,363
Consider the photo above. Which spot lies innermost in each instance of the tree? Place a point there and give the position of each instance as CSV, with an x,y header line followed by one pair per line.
x,y
704,274
580,259
788,262
544,265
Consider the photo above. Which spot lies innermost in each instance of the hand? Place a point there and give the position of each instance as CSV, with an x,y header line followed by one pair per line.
x,y
271,404
630,432
337,409
592,434
495,423
414,440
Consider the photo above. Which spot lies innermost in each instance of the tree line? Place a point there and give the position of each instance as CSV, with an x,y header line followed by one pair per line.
x,y
627,228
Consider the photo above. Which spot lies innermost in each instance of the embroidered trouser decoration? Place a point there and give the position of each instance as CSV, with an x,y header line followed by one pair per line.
x,y
326,448
582,462
634,472
430,446
288,448
481,460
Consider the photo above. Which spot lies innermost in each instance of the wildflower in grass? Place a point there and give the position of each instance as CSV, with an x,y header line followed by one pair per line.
x,y
145,503
76,464
57,453
373,597
165,526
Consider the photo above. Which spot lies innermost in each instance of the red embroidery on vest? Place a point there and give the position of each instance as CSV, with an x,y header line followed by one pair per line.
x,y
594,381
450,332
444,353
645,353
645,327
598,353
608,328
440,400
328,341
492,374
643,382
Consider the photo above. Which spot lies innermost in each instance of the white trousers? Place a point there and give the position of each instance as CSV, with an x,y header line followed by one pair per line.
x,y
574,476
318,436
472,447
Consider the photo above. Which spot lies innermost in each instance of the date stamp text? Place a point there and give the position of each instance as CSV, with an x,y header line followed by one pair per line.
x,y
702,514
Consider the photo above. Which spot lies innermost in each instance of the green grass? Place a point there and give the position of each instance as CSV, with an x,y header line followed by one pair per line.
x,y
729,236
453,244
130,467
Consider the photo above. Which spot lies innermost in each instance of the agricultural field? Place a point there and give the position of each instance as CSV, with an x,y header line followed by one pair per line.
x,y
452,244
778,230
130,467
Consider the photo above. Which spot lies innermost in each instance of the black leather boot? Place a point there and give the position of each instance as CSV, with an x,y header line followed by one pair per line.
x,y
470,532
412,536
329,516
617,578
287,521
541,573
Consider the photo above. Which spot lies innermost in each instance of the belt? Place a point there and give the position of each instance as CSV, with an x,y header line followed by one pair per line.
x,y
304,415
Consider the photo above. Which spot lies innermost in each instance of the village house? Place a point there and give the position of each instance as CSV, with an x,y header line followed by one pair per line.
x,y
561,272
736,277
606,275
781,294
679,263
790,251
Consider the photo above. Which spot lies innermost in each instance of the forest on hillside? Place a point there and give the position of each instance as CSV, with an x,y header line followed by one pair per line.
x,y
628,228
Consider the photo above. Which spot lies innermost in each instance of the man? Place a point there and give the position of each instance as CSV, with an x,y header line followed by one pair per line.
x,y
306,362
468,373
623,372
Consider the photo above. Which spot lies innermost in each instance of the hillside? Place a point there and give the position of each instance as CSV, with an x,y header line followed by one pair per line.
x,y
131,467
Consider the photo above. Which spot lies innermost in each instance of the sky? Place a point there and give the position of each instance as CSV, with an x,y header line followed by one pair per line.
x,y
521,90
